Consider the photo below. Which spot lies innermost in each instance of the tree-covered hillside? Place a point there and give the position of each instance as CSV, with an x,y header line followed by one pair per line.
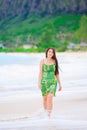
x,y
40,23
24,8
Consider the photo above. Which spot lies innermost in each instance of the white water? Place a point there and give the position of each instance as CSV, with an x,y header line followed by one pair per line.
x,y
20,71
39,121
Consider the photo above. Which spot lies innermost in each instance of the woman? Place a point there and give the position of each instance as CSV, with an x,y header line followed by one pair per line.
x,y
48,78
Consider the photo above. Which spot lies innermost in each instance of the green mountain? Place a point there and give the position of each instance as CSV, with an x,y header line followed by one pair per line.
x,y
24,8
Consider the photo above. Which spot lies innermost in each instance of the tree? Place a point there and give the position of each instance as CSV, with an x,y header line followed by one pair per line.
x,y
47,38
81,33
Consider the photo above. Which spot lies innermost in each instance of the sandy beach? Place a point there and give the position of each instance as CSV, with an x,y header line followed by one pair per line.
x,y
23,110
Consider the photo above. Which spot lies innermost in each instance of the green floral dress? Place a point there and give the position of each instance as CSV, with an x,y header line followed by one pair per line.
x,y
48,81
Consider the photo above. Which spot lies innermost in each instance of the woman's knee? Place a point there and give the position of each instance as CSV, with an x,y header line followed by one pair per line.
x,y
49,98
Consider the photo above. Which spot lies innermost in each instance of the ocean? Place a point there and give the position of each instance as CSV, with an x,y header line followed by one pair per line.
x,y
19,72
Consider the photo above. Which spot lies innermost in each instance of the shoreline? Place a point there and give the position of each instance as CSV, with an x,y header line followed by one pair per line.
x,y
22,112
69,105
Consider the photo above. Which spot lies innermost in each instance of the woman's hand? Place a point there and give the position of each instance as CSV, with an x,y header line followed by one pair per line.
x,y
60,87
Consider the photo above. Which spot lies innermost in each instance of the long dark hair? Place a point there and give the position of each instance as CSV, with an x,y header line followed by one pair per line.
x,y
54,57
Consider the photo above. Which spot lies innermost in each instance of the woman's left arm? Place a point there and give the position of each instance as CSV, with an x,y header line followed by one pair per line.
x,y
59,82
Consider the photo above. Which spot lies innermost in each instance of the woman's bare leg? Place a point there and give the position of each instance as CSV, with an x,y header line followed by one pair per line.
x,y
49,103
45,102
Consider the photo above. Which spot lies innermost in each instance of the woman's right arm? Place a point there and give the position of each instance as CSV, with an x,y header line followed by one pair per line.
x,y
40,74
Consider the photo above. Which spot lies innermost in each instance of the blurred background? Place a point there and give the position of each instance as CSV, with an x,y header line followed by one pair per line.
x,y
34,25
